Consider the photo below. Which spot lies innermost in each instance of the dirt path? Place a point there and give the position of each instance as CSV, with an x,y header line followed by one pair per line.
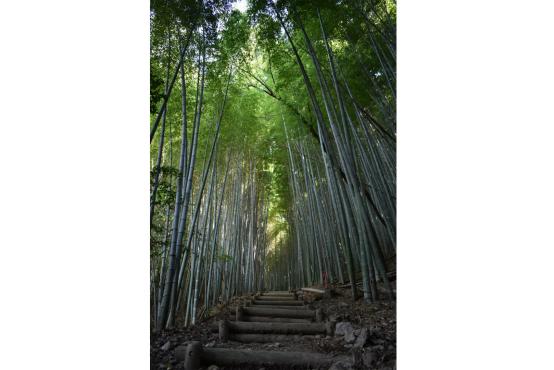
x,y
363,336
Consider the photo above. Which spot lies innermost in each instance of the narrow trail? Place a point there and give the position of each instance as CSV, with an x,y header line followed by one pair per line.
x,y
304,329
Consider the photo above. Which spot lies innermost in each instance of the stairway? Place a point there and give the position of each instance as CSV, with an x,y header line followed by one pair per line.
x,y
267,317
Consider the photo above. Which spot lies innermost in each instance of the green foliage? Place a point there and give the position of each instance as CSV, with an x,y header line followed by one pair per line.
x,y
266,87
156,87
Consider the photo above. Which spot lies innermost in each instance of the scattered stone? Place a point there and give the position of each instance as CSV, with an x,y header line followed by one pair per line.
x,y
368,357
166,346
342,327
362,338
349,338
346,329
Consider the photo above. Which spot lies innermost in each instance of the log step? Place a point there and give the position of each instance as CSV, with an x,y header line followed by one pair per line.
x,y
277,292
228,327
278,303
273,298
195,356
304,307
279,312
249,318
269,338
278,295
270,294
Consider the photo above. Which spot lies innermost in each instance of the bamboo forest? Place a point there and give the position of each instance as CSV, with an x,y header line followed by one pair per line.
x,y
273,184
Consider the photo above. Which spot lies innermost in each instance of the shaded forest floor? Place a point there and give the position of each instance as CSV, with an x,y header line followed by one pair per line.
x,y
378,352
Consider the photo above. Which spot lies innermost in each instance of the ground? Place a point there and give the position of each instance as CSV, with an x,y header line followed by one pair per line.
x,y
379,351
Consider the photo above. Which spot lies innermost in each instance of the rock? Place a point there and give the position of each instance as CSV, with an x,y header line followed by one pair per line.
x,y
342,327
210,344
349,338
346,329
368,357
341,365
378,347
213,367
343,305
362,338
166,346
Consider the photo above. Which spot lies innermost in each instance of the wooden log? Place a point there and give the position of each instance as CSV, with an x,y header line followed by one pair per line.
x,y
305,307
252,302
277,292
269,338
274,312
314,290
249,318
278,303
239,314
226,328
319,315
271,294
273,298
330,326
278,295
192,355
324,292
232,357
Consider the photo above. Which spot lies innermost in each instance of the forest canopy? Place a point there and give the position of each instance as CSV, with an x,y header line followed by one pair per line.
x,y
273,148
